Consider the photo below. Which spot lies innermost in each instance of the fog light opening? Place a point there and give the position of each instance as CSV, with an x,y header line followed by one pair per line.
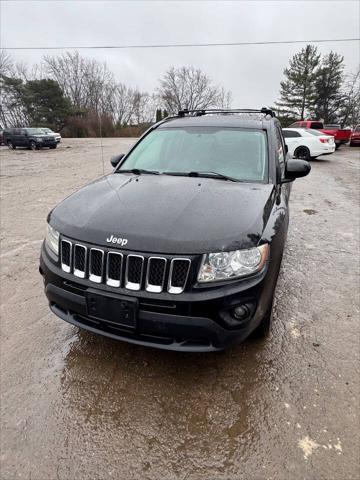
x,y
241,312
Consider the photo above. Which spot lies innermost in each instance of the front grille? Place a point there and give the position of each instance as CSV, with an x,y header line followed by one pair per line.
x,y
155,275
79,261
179,272
66,256
114,269
133,271
96,265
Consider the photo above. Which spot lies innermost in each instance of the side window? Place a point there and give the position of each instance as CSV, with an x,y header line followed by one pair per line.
x,y
290,134
316,125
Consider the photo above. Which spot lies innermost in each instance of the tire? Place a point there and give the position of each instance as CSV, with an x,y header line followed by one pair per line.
x,y
53,146
10,145
337,146
264,328
33,146
303,153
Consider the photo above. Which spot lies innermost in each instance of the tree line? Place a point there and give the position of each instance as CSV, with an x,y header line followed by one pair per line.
x,y
80,96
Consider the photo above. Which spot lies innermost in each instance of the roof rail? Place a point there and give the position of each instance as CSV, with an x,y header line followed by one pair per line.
x,y
200,112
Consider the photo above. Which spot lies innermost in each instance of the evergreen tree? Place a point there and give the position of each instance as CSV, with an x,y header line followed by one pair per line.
x,y
165,114
329,97
45,103
297,92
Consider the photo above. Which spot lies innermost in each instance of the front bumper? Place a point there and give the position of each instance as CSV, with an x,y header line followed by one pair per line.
x,y
194,321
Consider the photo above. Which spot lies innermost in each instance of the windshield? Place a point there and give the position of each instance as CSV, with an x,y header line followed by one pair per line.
x,y
47,130
237,153
35,131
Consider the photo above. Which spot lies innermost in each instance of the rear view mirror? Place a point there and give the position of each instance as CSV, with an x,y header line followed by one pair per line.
x,y
116,159
296,169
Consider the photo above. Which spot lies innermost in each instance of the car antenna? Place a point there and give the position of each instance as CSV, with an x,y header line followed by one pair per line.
x,y
101,143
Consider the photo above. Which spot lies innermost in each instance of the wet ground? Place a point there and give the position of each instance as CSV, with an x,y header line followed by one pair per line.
x,y
79,406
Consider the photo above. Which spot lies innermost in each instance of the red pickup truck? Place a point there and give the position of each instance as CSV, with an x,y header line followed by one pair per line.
x,y
340,135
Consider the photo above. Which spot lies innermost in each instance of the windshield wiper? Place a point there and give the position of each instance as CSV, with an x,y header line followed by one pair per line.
x,y
209,174
138,171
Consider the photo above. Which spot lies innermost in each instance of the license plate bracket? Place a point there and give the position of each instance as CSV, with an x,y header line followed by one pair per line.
x,y
120,310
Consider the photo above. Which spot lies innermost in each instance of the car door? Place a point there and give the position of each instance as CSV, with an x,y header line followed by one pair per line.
x,y
292,140
16,137
22,138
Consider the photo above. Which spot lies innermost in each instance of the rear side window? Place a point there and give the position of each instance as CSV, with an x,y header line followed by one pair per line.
x,y
290,134
316,125
357,128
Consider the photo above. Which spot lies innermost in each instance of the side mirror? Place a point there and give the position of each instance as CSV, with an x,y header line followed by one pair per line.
x,y
296,169
116,159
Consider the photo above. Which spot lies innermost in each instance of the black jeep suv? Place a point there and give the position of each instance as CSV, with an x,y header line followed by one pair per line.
x,y
180,247
33,138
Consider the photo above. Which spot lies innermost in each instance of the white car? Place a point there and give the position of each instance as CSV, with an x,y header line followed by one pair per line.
x,y
48,131
308,143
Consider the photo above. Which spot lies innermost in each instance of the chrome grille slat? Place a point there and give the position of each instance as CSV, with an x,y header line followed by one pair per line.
x,y
134,272
151,273
179,272
96,265
114,263
155,274
80,260
66,251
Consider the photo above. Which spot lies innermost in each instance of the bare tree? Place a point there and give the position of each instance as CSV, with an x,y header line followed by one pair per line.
x,y
86,82
225,98
12,109
187,87
123,104
350,110
6,63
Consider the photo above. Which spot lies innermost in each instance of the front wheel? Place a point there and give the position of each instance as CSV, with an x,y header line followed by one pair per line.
x,y
53,146
33,146
302,153
11,146
263,330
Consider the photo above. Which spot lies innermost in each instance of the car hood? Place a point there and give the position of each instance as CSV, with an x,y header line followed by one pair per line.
x,y
166,214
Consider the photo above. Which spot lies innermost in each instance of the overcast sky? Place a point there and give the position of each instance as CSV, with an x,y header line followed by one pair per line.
x,y
252,73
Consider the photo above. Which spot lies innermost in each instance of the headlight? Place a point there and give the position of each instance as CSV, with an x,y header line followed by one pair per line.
x,y
230,265
39,139
52,239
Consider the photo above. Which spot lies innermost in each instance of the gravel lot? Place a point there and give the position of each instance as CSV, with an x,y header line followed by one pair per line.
x,y
79,406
